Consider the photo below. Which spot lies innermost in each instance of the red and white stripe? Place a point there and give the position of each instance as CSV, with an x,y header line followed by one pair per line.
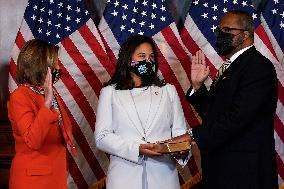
x,y
197,42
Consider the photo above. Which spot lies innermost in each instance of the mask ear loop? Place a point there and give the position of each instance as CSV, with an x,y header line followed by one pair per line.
x,y
153,64
133,63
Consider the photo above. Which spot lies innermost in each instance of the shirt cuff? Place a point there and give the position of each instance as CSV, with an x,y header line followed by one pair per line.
x,y
183,162
191,92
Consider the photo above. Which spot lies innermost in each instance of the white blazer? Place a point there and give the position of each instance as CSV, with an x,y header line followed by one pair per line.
x,y
119,133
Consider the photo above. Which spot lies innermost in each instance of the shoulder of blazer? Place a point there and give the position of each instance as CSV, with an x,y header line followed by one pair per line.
x,y
256,61
26,95
107,90
253,55
20,93
107,93
251,59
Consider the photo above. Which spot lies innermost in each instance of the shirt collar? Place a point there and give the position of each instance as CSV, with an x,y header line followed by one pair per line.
x,y
237,54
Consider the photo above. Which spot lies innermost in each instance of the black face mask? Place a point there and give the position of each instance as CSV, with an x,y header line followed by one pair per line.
x,y
145,70
56,73
224,43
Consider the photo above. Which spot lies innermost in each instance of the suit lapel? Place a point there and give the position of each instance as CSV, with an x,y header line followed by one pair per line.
x,y
156,95
236,65
66,126
127,102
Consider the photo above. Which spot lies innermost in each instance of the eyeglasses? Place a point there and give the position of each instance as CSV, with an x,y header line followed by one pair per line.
x,y
227,30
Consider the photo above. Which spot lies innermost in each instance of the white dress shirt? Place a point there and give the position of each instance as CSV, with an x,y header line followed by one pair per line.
x,y
231,59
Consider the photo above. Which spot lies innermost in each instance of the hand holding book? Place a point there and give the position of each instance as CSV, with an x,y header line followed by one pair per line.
x,y
177,144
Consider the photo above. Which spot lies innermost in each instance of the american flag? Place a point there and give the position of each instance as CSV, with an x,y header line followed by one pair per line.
x,y
85,66
198,33
201,23
125,18
272,18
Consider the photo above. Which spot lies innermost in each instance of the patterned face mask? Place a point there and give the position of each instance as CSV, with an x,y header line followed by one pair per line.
x,y
144,68
56,73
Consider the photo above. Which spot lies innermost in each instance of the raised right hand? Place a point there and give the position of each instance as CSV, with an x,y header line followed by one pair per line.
x,y
199,70
148,150
47,86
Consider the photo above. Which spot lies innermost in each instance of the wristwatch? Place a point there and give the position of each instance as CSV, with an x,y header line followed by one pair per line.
x,y
190,133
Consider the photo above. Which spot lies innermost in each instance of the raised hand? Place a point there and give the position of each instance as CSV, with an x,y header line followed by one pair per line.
x,y
47,86
148,150
199,70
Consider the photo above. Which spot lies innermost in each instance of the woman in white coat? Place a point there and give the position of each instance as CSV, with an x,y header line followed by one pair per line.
x,y
135,110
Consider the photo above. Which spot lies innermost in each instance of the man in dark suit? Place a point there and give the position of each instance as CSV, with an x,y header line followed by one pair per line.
x,y
236,138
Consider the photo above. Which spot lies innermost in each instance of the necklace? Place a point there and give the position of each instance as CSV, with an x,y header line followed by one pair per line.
x,y
148,113
40,91
138,91
35,89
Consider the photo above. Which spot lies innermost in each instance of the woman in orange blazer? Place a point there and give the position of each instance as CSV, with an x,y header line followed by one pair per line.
x,y
41,127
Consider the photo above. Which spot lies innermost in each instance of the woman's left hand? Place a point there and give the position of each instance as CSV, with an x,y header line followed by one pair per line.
x,y
148,150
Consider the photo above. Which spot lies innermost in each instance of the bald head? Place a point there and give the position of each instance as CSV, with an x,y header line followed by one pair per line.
x,y
242,19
